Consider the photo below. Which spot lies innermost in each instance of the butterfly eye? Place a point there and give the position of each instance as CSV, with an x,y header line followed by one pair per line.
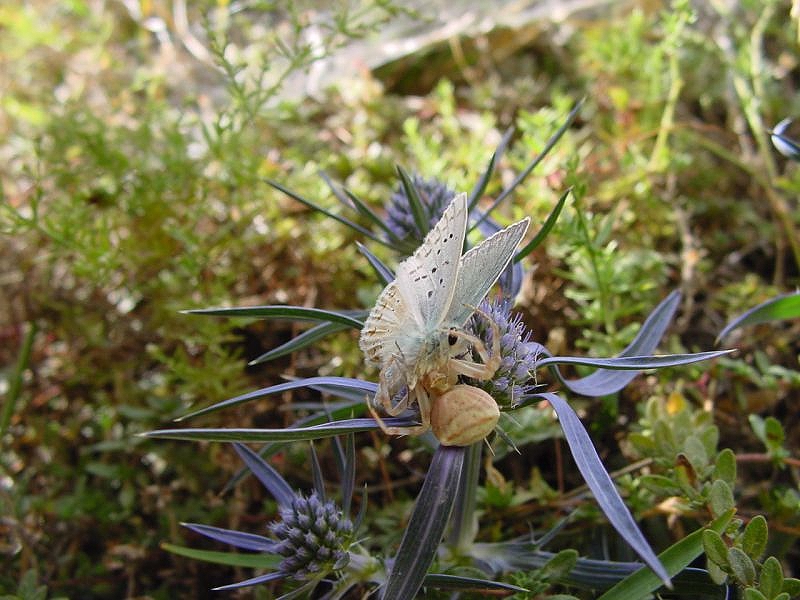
x,y
452,339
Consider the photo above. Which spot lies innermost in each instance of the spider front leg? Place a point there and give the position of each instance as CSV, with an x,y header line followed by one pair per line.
x,y
383,398
489,362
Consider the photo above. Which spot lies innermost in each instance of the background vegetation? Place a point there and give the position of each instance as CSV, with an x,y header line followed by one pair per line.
x,y
136,140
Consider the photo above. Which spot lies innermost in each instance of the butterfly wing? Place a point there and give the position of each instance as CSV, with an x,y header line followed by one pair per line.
x,y
427,279
389,317
479,269
416,302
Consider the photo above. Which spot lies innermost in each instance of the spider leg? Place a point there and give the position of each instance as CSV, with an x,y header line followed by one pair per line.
x,y
490,362
389,430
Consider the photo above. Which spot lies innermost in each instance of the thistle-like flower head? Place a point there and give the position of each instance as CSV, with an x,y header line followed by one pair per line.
x,y
514,378
313,536
435,197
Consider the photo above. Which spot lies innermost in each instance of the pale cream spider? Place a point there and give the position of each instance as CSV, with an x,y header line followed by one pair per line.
x,y
458,414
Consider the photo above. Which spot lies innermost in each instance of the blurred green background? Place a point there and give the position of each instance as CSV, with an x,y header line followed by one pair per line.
x,y
136,140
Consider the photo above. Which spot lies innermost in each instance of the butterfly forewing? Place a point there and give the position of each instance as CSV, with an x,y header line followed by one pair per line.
x,y
427,279
479,269
416,302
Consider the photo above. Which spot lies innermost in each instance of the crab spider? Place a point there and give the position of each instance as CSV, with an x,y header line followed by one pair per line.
x,y
458,414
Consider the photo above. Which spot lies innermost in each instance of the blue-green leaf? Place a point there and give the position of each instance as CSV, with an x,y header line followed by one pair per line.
x,y
603,381
347,383
598,480
300,434
634,363
303,340
256,561
279,311
426,526
469,584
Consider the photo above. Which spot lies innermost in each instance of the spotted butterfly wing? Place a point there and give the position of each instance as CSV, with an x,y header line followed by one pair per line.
x,y
416,303
479,269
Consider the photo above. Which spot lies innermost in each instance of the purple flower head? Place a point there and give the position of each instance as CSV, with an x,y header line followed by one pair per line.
x,y
514,378
313,536
435,197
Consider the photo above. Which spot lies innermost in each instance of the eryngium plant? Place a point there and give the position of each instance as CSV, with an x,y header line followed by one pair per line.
x,y
448,493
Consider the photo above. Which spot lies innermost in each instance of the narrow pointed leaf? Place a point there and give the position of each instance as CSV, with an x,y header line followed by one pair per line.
x,y
776,309
483,181
418,211
234,559
676,558
598,480
252,581
316,474
375,218
300,434
366,387
535,162
303,340
349,474
783,143
384,273
603,381
470,584
269,477
637,363
354,226
426,525
279,311
239,539
545,229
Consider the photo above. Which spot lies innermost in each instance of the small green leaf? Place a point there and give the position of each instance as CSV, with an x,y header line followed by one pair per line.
x,y
774,433
720,497
715,548
696,453
754,539
771,578
754,594
659,484
791,586
742,566
717,574
782,596
725,466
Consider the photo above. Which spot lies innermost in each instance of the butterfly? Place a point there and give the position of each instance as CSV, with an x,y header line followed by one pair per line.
x,y
415,333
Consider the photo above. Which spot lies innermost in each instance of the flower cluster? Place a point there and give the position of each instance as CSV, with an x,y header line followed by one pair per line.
x,y
314,536
514,378
435,197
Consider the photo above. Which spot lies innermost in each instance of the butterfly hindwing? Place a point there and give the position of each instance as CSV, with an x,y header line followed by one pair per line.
x,y
479,269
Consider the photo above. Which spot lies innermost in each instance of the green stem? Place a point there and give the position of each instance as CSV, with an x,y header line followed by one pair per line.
x,y
15,381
